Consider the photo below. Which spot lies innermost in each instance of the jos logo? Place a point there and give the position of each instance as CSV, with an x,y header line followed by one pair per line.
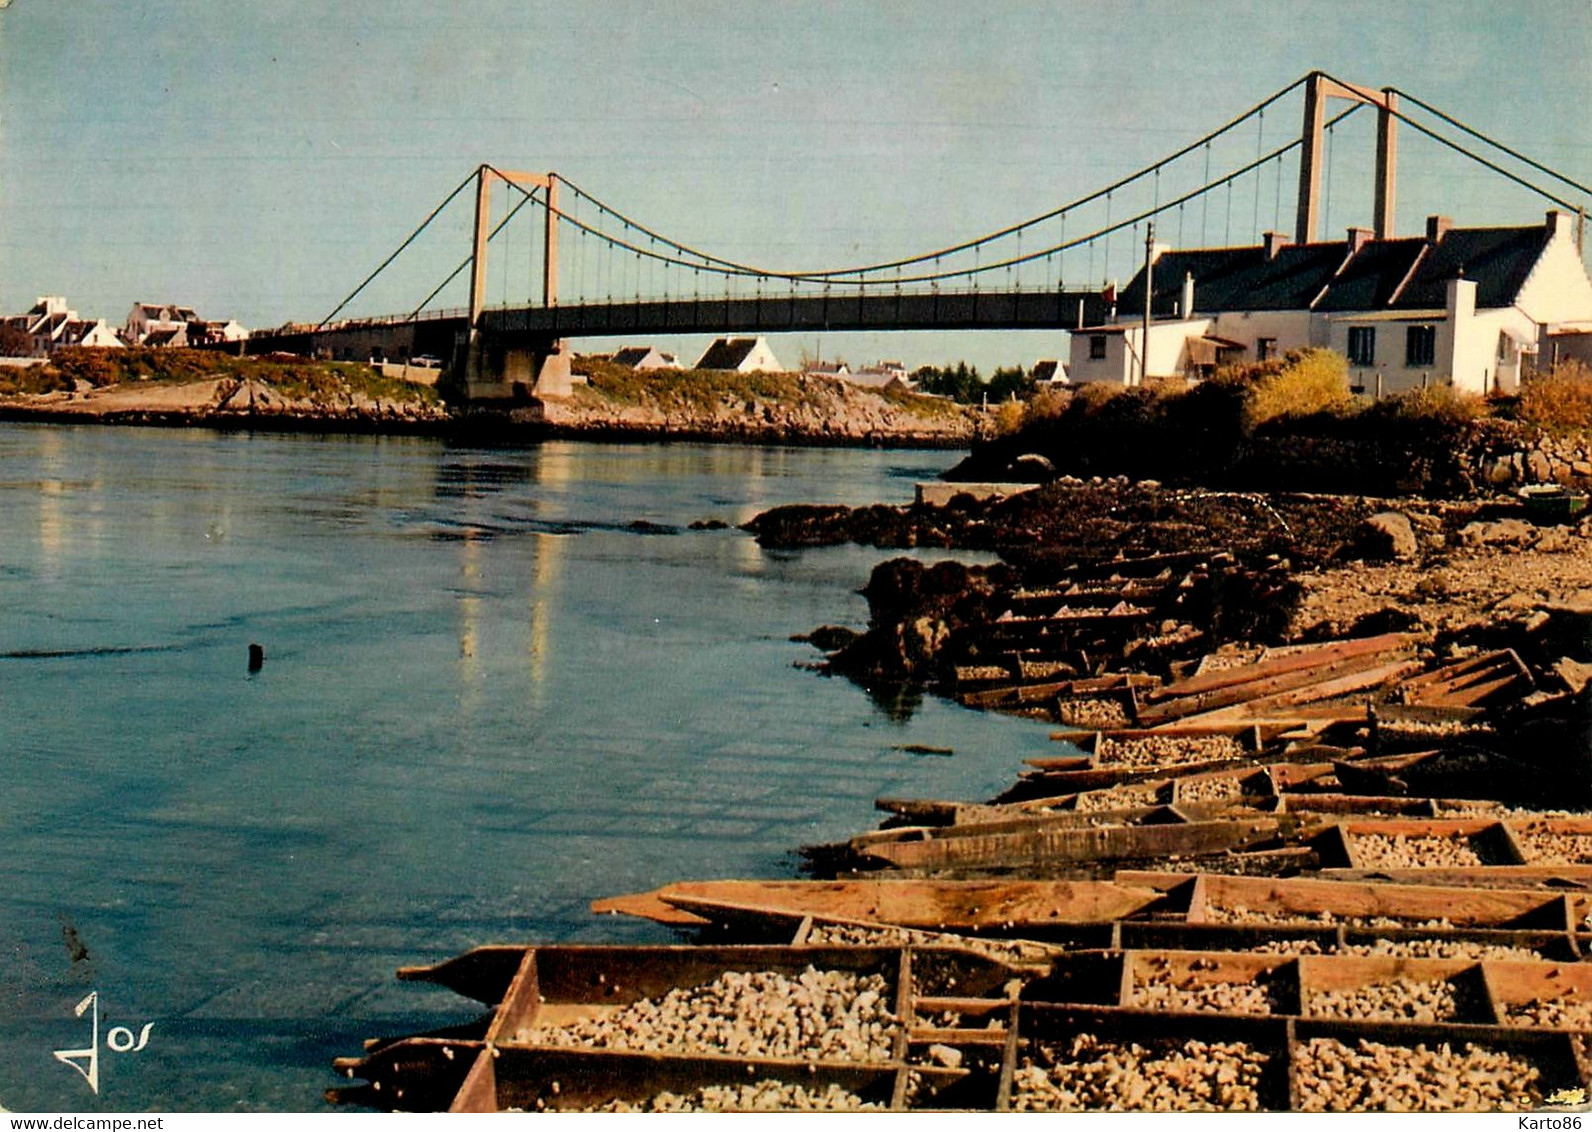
x,y
119,1039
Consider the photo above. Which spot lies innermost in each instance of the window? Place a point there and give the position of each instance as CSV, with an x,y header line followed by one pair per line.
x,y
1265,349
1097,347
1420,346
1362,345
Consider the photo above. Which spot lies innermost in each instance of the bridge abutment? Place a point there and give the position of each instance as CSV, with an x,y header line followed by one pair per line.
x,y
495,370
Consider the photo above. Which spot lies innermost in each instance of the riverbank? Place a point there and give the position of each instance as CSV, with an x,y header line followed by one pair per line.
x,y
190,388
1285,569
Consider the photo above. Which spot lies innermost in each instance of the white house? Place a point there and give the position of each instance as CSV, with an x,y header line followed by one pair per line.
x,y
1048,371
218,330
90,332
44,324
741,355
146,318
882,375
827,369
645,357
1465,306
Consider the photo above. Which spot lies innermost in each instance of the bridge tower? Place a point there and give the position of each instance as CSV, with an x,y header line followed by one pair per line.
x,y
1318,89
494,369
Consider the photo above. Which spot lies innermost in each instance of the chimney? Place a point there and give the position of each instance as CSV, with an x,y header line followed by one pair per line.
x,y
1436,228
1274,242
1560,224
1358,238
1186,306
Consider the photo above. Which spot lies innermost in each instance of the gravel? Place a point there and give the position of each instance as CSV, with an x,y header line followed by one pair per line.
x,y
1371,1077
1118,798
1092,713
1397,1000
1089,1074
1167,750
760,1096
1398,851
825,1015
1441,949
1155,987
1540,848
1563,1013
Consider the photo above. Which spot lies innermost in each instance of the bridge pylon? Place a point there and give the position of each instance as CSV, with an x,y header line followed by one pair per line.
x,y
1319,88
497,370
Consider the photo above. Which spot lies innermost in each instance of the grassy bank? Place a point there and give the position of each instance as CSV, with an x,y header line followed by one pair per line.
x,y
1288,424
297,379
704,391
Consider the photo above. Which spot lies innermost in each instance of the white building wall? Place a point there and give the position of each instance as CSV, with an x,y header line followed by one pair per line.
x,y
1291,329
1169,345
1558,290
760,357
1120,366
1387,372
1499,356
1112,369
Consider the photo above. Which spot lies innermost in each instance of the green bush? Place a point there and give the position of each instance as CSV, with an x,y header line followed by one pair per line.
x,y
1307,383
30,380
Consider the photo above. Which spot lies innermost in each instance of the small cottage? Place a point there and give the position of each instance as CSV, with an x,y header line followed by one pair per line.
x,y
740,355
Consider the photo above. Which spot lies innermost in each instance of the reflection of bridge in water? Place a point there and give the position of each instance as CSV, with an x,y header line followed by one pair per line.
x,y
665,286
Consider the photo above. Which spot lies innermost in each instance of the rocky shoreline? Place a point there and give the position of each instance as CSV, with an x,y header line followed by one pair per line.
x,y
255,406
1268,570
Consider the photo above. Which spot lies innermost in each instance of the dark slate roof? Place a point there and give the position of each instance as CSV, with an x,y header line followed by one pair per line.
x,y
1230,279
727,353
1498,259
631,355
1398,274
1369,280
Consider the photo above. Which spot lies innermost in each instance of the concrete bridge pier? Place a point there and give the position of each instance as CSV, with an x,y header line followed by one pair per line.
x,y
497,370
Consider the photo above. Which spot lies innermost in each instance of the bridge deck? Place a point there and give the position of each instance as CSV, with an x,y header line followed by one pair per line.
x,y
960,310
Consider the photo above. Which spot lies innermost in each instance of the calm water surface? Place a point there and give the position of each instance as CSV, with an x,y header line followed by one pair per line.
x,y
499,684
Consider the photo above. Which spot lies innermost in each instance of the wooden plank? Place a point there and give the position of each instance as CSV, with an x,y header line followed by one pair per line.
x,y
517,1013
1165,708
1044,845
1312,693
1363,898
1488,876
1295,662
479,1091
648,906
926,904
482,973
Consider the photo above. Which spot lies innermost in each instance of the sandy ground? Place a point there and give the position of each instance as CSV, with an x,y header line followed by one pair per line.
x,y
1504,571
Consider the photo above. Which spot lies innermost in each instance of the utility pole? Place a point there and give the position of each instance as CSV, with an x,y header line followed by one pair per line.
x,y
1149,290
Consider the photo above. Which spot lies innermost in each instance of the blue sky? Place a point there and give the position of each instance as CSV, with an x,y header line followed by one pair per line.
x,y
256,160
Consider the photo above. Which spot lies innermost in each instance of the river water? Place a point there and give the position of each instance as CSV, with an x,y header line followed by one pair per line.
x,y
498,683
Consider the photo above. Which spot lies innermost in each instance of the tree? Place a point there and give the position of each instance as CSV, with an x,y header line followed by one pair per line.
x,y
15,342
1010,382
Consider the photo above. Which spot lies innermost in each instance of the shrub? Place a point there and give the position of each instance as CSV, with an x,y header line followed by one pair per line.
x,y
31,380
1309,382
1435,404
1559,401
1009,417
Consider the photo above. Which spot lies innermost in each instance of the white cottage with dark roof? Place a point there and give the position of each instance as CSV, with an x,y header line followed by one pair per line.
x,y
740,355
1460,306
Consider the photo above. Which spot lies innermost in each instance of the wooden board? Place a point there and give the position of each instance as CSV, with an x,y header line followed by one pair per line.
x,y
929,905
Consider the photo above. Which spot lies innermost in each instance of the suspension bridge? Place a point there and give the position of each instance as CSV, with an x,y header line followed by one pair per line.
x,y
605,274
